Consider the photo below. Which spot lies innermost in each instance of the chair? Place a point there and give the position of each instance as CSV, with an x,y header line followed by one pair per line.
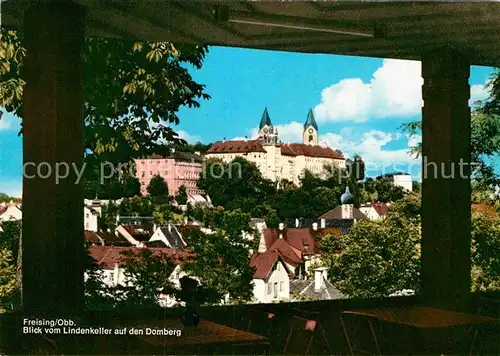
x,y
260,323
300,336
313,315
361,319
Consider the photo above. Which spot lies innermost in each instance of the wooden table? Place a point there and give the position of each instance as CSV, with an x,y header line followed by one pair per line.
x,y
420,317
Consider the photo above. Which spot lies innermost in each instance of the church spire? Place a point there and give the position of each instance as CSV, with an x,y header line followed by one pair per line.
x,y
311,121
266,120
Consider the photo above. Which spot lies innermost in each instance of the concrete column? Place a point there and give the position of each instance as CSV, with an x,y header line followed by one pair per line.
x,y
446,192
53,243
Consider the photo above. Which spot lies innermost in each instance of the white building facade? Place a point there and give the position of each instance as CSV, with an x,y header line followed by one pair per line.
x,y
279,161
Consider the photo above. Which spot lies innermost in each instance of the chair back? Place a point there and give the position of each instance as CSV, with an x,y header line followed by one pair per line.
x,y
300,336
360,333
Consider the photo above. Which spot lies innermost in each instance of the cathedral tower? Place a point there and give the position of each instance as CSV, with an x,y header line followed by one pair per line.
x,y
310,133
267,133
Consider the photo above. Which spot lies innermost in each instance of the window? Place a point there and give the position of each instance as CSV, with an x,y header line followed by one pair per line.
x,y
269,288
275,289
281,286
278,267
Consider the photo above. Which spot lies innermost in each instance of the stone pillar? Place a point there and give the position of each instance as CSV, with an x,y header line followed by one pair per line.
x,y
53,243
446,192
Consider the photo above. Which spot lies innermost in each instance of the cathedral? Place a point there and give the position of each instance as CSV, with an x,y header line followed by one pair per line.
x,y
280,161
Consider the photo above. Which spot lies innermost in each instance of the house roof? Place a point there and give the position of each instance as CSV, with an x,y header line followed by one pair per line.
x,y
381,208
306,288
300,149
336,214
289,254
140,233
173,236
92,237
112,239
295,238
236,146
264,263
109,256
485,209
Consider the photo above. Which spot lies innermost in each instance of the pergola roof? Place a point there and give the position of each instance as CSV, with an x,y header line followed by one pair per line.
x,y
404,30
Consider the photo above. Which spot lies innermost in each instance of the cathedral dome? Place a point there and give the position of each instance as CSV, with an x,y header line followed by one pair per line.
x,y
347,197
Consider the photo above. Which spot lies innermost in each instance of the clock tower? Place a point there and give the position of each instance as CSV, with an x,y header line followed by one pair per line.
x,y
310,133
267,133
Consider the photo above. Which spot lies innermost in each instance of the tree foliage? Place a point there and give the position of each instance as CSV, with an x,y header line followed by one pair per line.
x,y
375,259
158,188
7,279
130,89
485,253
222,261
181,197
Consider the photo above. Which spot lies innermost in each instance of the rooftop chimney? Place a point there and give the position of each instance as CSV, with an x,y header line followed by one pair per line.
x,y
323,223
281,226
197,153
315,226
169,228
172,150
185,220
318,279
297,222
246,138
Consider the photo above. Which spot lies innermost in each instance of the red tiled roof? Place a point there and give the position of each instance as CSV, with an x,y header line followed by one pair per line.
x,y
264,263
485,209
3,209
92,237
236,147
108,256
380,208
296,238
300,149
289,254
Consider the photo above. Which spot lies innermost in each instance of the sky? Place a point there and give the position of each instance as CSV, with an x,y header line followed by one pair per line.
x,y
359,105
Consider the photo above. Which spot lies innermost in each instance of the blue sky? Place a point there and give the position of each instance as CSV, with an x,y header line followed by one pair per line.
x,y
359,104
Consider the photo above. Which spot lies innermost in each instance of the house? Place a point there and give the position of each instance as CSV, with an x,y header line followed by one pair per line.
x,y
400,179
109,259
345,211
296,246
10,212
91,218
167,236
375,211
104,238
279,161
484,209
271,279
319,288
178,169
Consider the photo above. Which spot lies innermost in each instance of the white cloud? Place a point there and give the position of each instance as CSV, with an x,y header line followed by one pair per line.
x,y
189,138
478,92
8,122
394,90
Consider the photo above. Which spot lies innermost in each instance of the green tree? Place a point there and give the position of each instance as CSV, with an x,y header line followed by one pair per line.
x,y
376,258
222,259
149,275
7,279
181,196
485,136
9,237
356,168
158,189
485,253
130,88
107,220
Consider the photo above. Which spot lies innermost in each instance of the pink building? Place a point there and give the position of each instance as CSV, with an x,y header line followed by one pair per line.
x,y
181,168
